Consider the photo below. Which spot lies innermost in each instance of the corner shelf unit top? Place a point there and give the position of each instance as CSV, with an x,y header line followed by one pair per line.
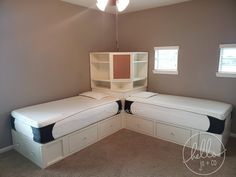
x,y
118,71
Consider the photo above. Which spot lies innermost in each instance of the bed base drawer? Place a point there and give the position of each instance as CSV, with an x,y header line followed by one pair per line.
x,y
47,154
173,134
176,134
83,138
28,148
42,155
140,125
110,126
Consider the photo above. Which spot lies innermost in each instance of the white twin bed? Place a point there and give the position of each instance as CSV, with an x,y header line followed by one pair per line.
x,y
186,121
56,127
199,114
46,122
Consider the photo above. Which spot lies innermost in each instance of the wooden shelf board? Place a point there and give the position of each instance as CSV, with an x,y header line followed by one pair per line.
x,y
135,62
121,80
102,88
101,80
139,78
121,90
100,62
139,87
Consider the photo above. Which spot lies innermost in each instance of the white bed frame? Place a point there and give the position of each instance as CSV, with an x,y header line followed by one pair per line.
x,y
179,134
47,154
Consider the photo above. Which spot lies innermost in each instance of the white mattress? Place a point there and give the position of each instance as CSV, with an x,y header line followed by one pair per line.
x,y
47,113
69,115
171,116
215,109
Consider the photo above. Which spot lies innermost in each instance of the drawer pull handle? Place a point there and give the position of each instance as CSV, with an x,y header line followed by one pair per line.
x,y
172,134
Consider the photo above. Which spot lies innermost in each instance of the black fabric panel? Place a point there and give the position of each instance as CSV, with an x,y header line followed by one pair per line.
x,y
119,106
44,134
216,126
12,121
128,106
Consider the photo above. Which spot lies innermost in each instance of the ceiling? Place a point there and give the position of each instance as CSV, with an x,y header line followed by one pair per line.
x,y
135,5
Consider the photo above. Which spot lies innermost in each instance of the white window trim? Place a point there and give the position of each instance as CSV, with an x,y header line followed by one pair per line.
x,y
227,46
225,74
166,47
221,73
165,72
159,71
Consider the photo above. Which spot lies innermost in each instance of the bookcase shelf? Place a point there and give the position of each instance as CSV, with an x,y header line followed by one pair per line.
x,y
119,71
101,80
100,62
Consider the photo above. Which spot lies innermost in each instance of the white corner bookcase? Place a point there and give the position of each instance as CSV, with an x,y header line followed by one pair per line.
x,y
121,72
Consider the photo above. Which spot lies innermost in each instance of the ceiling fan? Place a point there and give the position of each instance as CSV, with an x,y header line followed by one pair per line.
x,y
120,4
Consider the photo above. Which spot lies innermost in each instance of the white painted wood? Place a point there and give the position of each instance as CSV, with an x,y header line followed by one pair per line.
x,y
227,45
47,154
227,130
140,125
225,74
221,72
194,138
101,70
123,116
52,152
30,149
83,138
215,139
165,72
173,134
110,126
176,134
119,94
166,47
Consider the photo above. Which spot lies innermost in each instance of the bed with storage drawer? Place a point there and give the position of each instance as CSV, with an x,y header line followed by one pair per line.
x,y
176,118
47,133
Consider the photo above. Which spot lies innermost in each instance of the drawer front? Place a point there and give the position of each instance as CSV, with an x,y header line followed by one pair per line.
x,y
110,126
140,125
82,139
27,148
216,146
174,134
53,152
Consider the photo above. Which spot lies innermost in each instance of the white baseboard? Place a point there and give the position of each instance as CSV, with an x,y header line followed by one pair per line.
x,y
233,135
8,148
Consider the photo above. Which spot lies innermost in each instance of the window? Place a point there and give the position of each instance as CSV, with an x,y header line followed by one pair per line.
x,y
227,62
166,60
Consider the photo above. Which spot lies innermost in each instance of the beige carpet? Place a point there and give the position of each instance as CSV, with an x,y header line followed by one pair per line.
x,y
124,154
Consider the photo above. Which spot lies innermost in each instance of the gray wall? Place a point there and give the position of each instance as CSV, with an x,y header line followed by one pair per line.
x,y
198,27
44,52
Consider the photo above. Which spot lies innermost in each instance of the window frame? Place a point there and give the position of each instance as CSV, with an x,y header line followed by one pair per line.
x,y
223,73
165,71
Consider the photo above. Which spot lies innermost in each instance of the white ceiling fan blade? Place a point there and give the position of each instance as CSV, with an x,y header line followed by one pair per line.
x,y
101,4
122,4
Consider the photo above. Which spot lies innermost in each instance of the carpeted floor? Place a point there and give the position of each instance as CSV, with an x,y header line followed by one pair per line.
x,y
124,154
